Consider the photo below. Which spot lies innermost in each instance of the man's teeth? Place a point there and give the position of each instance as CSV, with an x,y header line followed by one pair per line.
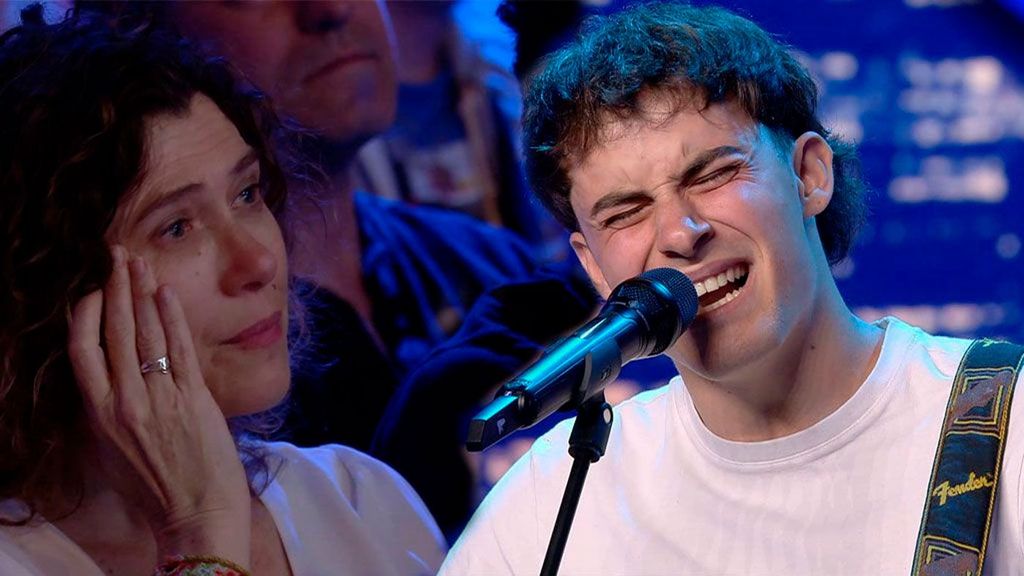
x,y
715,282
728,298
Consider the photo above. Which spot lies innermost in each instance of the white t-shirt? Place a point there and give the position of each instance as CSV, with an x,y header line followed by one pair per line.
x,y
337,510
844,496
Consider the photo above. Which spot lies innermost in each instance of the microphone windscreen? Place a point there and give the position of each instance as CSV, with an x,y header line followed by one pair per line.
x,y
665,298
680,289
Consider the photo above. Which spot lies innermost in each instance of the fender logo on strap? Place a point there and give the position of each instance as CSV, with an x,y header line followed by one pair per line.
x,y
944,491
957,517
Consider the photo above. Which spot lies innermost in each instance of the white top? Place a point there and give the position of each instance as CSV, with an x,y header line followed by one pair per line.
x,y
337,510
844,496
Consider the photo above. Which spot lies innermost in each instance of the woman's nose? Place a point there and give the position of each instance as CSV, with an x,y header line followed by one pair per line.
x,y
251,264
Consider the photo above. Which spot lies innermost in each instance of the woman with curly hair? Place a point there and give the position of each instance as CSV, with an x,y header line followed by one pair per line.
x,y
144,327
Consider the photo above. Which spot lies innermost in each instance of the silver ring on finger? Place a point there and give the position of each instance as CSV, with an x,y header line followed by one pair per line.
x,y
161,365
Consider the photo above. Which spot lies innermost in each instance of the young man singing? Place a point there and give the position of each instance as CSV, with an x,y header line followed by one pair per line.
x,y
797,438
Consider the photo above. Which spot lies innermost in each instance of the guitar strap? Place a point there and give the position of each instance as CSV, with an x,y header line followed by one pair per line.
x,y
962,493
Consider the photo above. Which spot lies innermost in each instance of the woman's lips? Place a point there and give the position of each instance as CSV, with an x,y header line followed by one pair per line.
x,y
259,335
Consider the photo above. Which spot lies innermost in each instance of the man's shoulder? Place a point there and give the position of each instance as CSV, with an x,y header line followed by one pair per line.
x,y
923,353
927,355
642,415
510,529
642,418
447,234
435,219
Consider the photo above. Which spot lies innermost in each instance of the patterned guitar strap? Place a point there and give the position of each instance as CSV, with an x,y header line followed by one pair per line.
x,y
962,492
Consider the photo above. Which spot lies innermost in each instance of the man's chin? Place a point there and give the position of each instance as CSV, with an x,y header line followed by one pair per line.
x,y
335,122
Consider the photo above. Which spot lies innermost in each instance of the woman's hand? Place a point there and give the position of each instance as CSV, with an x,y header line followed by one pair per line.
x,y
190,481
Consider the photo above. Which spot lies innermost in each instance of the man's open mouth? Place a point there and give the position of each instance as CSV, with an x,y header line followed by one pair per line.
x,y
717,291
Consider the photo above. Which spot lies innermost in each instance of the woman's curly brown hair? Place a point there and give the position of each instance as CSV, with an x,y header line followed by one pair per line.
x,y
74,101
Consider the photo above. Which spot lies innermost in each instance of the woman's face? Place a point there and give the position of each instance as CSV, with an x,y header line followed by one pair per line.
x,y
199,221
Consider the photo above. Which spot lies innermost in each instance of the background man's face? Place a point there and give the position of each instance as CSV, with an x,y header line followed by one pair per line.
x,y
328,65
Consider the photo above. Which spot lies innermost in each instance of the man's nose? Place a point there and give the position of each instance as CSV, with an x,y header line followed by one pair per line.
x,y
682,231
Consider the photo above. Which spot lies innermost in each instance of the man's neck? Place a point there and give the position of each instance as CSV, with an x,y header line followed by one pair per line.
x,y
818,368
423,30
327,248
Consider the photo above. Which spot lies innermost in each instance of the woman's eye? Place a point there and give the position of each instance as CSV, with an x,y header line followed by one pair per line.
x,y
176,229
250,195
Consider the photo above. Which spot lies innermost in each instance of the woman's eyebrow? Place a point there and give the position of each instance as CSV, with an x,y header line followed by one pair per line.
x,y
186,190
245,161
169,198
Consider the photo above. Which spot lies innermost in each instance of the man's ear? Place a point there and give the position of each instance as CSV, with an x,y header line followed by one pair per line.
x,y
586,258
812,164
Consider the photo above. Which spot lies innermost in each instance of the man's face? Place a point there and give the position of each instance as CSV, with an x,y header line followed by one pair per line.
x,y
328,65
709,193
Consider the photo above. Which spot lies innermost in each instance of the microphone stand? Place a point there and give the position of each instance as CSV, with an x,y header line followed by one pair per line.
x,y
587,443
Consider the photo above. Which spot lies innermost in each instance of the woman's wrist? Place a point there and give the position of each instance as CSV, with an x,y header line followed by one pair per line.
x,y
214,535
199,566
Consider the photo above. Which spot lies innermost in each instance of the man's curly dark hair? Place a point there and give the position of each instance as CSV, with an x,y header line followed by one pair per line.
x,y
705,55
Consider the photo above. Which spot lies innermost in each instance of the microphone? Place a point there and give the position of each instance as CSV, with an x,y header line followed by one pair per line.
x,y
642,317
